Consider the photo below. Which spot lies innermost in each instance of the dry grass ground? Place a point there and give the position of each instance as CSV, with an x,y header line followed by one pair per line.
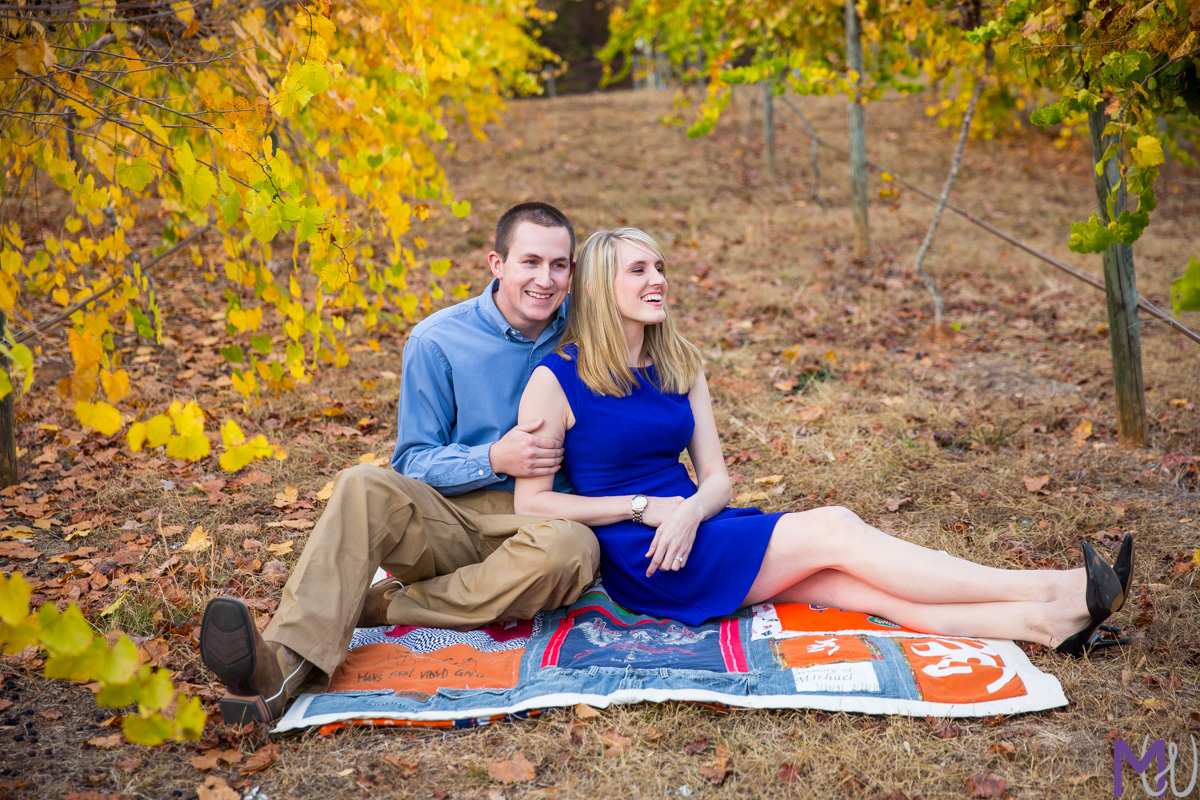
x,y
823,374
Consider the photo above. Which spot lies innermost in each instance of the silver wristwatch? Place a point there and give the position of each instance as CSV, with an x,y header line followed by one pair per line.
x,y
639,503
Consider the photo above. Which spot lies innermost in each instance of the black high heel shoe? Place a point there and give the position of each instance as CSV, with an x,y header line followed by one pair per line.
x,y
1104,595
1123,567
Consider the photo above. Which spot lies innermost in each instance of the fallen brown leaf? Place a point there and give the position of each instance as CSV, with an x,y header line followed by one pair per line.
x,y
894,503
614,743
215,788
584,711
106,742
573,732
281,549
1035,484
717,770
130,764
198,540
406,768
515,770
788,774
205,761
1082,432
18,549
811,413
987,784
698,746
52,713
653,734
1005,749
260,759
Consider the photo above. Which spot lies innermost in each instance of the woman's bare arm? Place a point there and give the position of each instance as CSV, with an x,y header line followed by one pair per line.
x,y
544,399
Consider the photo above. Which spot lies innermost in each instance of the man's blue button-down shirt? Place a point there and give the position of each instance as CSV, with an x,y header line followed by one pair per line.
x,y
464,371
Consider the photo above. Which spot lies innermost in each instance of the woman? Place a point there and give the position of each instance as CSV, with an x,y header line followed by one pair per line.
x,y
626,393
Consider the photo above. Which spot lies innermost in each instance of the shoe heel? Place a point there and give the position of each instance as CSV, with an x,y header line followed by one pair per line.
x,y
240,710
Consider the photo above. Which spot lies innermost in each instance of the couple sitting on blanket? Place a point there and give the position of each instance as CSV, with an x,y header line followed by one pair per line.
x,y
477,522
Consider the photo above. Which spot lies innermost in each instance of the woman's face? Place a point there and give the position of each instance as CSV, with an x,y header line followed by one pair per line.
x,y
640,285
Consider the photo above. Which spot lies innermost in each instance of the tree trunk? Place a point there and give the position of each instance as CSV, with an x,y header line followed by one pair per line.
x,y
8,431
939,305
769,127
858,138
1124,335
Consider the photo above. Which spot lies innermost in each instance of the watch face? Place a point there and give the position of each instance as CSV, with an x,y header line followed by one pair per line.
x,y
640,502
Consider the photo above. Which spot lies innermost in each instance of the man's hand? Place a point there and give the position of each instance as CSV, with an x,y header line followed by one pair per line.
x,y
522,454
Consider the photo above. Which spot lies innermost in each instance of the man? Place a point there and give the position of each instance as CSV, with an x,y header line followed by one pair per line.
x,y
445,528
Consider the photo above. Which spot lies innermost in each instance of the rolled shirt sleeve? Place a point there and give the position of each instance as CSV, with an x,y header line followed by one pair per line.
x,y
427,423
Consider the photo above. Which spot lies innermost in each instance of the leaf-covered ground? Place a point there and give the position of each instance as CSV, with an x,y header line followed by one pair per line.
x,y
997,443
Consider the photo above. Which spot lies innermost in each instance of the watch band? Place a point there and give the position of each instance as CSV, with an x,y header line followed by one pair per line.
x,y
637,507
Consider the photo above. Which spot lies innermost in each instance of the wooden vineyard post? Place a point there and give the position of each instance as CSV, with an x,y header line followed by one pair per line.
x,y
858,136
1120,286
769,127
8,431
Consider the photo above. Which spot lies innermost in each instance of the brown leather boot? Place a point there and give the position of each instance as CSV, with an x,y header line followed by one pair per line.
x,y
375,605
260,677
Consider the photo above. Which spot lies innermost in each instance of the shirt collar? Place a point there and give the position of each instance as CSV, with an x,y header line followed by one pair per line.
x,y
491,314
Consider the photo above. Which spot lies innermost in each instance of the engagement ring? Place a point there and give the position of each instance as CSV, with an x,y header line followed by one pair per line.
x,y
679,558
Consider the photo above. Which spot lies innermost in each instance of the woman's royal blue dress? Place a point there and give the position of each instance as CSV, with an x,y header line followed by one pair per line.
x,y
631,445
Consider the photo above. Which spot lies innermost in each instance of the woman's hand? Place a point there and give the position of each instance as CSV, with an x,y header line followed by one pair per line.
x,y
659,509
673,538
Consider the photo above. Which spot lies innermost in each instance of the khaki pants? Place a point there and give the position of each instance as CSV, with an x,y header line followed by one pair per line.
x,y
466,561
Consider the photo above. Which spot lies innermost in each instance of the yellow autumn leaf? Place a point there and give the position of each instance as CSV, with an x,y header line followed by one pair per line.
x,y
116,384
245,383
231,433
85,350
188,419
189,448
100,416
158,430
240,455
136,436
1148,152
198,540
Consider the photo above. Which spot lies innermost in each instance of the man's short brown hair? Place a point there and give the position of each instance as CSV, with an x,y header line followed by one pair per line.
x,y
543,214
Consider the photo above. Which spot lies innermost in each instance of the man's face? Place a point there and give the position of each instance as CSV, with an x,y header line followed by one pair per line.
x,y
534,278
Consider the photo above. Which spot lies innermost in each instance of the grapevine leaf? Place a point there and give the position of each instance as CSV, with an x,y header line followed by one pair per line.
x,y
149,730
1148,152
135,174
67,633
1185,292
14,599
100,416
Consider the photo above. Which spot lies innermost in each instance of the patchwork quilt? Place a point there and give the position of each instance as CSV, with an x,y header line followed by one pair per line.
x,y
596,652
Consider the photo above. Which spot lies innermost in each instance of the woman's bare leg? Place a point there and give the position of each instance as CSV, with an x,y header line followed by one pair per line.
x,y
835,538
1047,622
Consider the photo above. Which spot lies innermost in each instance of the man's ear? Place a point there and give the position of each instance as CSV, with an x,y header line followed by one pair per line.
x,y
495,264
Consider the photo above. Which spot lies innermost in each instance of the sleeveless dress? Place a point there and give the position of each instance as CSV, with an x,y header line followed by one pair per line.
x,y
631,445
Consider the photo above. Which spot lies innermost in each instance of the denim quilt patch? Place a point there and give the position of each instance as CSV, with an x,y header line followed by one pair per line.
x,y
596,652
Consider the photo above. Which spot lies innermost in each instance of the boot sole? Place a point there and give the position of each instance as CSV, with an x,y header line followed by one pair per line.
x,y
227,646
242,710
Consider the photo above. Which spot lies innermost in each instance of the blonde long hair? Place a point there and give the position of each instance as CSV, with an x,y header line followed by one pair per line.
x,y
594,324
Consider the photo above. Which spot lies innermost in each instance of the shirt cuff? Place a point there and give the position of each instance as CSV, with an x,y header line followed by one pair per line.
x,y
479,466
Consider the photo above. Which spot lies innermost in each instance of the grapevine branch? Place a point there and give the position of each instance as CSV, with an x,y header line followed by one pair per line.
x,y
816,164
939,304
1070,269
45,325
